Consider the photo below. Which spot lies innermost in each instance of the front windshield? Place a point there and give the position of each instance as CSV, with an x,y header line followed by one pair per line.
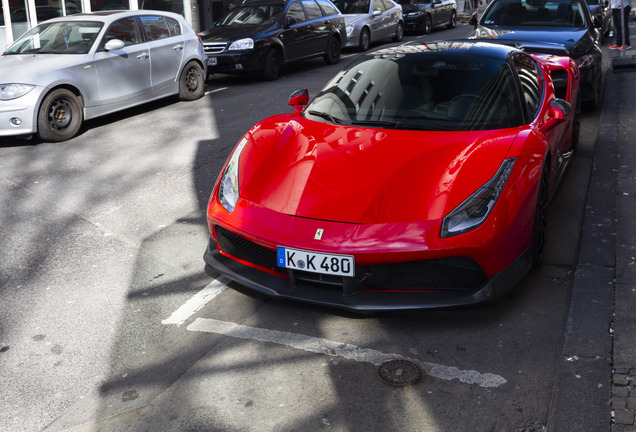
x,y
353,7
426,91
67,37
252,15
536,13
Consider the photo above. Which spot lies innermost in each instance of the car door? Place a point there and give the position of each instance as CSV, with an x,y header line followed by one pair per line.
x,y
320,29
123,75
166,49
297,33
377,21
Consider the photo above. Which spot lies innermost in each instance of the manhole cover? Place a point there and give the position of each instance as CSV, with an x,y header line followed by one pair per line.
x,y
399,372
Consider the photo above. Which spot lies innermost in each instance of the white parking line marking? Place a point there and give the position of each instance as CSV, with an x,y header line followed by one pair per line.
x,y
339,349
215,90
195,303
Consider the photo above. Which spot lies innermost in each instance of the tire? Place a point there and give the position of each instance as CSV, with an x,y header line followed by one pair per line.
x,y
399,33
453,21
271,65
541,217
191,82
333,51
365,40
427,25
60,116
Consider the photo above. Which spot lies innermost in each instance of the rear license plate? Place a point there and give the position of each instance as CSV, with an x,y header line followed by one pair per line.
x,y
315,262
211,61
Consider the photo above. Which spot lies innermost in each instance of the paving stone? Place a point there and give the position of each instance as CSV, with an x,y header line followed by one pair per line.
x,y
622,379
623,416
619,403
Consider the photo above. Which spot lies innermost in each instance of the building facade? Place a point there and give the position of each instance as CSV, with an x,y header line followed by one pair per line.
x,y
18,16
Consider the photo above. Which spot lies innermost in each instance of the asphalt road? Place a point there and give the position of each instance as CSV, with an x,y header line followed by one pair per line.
x,y
108,321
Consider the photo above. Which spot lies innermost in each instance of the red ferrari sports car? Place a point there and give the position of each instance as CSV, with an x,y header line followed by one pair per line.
x,y
418,177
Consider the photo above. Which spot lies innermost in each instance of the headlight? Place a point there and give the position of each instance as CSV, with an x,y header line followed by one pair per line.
x,y
414,14
14,91
349,29
473,212
241,44
229,187
585,61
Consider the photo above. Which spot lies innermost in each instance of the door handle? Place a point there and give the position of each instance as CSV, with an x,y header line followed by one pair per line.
x,y
177,47
143,56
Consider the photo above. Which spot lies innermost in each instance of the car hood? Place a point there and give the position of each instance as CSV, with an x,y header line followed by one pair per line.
x,y
29,68
221,34
575,41
311,169
354,18
408,8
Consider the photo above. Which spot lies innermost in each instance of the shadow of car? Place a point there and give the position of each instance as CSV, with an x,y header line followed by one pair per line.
x,y
562,27
260,36
370,21
70,69
422,16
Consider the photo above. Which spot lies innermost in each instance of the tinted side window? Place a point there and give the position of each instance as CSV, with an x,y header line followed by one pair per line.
x,y
531,83
124,29
327,7
312,8
155,27
174,26
296,12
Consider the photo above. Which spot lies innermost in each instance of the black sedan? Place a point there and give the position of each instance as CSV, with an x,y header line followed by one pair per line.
x,y
261,35
603,12
562,27
422,16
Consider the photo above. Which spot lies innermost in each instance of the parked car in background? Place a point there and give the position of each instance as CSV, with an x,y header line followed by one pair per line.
x,y
602,10
82,66
260,36
370,21
418,177
422,16
564,27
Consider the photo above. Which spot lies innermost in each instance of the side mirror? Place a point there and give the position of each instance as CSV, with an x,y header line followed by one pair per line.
x,y
114,44
596,22
377,13
559,109
289,21
474,20
299,98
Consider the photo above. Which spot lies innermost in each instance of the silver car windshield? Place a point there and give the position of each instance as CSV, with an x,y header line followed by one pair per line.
x,y
66,37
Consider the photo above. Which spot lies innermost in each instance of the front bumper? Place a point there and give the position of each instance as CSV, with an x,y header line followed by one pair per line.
x,y
360,293
235,62
21,110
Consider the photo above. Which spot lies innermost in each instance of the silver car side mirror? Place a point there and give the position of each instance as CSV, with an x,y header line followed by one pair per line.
x,y
114,44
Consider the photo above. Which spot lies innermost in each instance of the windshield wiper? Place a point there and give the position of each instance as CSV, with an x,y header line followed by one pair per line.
x,y
388,124
327,116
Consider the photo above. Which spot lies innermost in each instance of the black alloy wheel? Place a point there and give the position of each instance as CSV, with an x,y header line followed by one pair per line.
x,y
271,65
453,21
365,39
333,51
427,25
191,82
399,33
541,216
60,116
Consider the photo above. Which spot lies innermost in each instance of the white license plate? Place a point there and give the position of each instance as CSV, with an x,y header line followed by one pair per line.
x,y
211,61
315,262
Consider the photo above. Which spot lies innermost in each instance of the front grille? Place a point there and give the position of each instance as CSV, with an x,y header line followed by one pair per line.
x,y
212,48
241,248
457,274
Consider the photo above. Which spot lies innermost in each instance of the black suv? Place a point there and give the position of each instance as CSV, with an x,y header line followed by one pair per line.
x,y
261,35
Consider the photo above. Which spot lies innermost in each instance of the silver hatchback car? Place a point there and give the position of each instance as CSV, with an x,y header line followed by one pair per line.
x,y
82,66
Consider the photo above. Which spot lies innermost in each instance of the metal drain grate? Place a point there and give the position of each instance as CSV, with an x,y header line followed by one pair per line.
x,y
399,372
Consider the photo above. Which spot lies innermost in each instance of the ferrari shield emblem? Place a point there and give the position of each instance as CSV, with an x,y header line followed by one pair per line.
x,y
318,235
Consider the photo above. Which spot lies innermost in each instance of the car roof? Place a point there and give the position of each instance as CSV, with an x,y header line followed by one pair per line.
x,y
472,47
112,15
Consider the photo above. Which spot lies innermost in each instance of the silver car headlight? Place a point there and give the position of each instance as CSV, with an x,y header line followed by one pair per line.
x,y
473,211
229,187
242,44
349,29
14,91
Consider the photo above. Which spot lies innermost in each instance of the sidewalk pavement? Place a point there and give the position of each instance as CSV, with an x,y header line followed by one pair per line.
x,y
596,389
